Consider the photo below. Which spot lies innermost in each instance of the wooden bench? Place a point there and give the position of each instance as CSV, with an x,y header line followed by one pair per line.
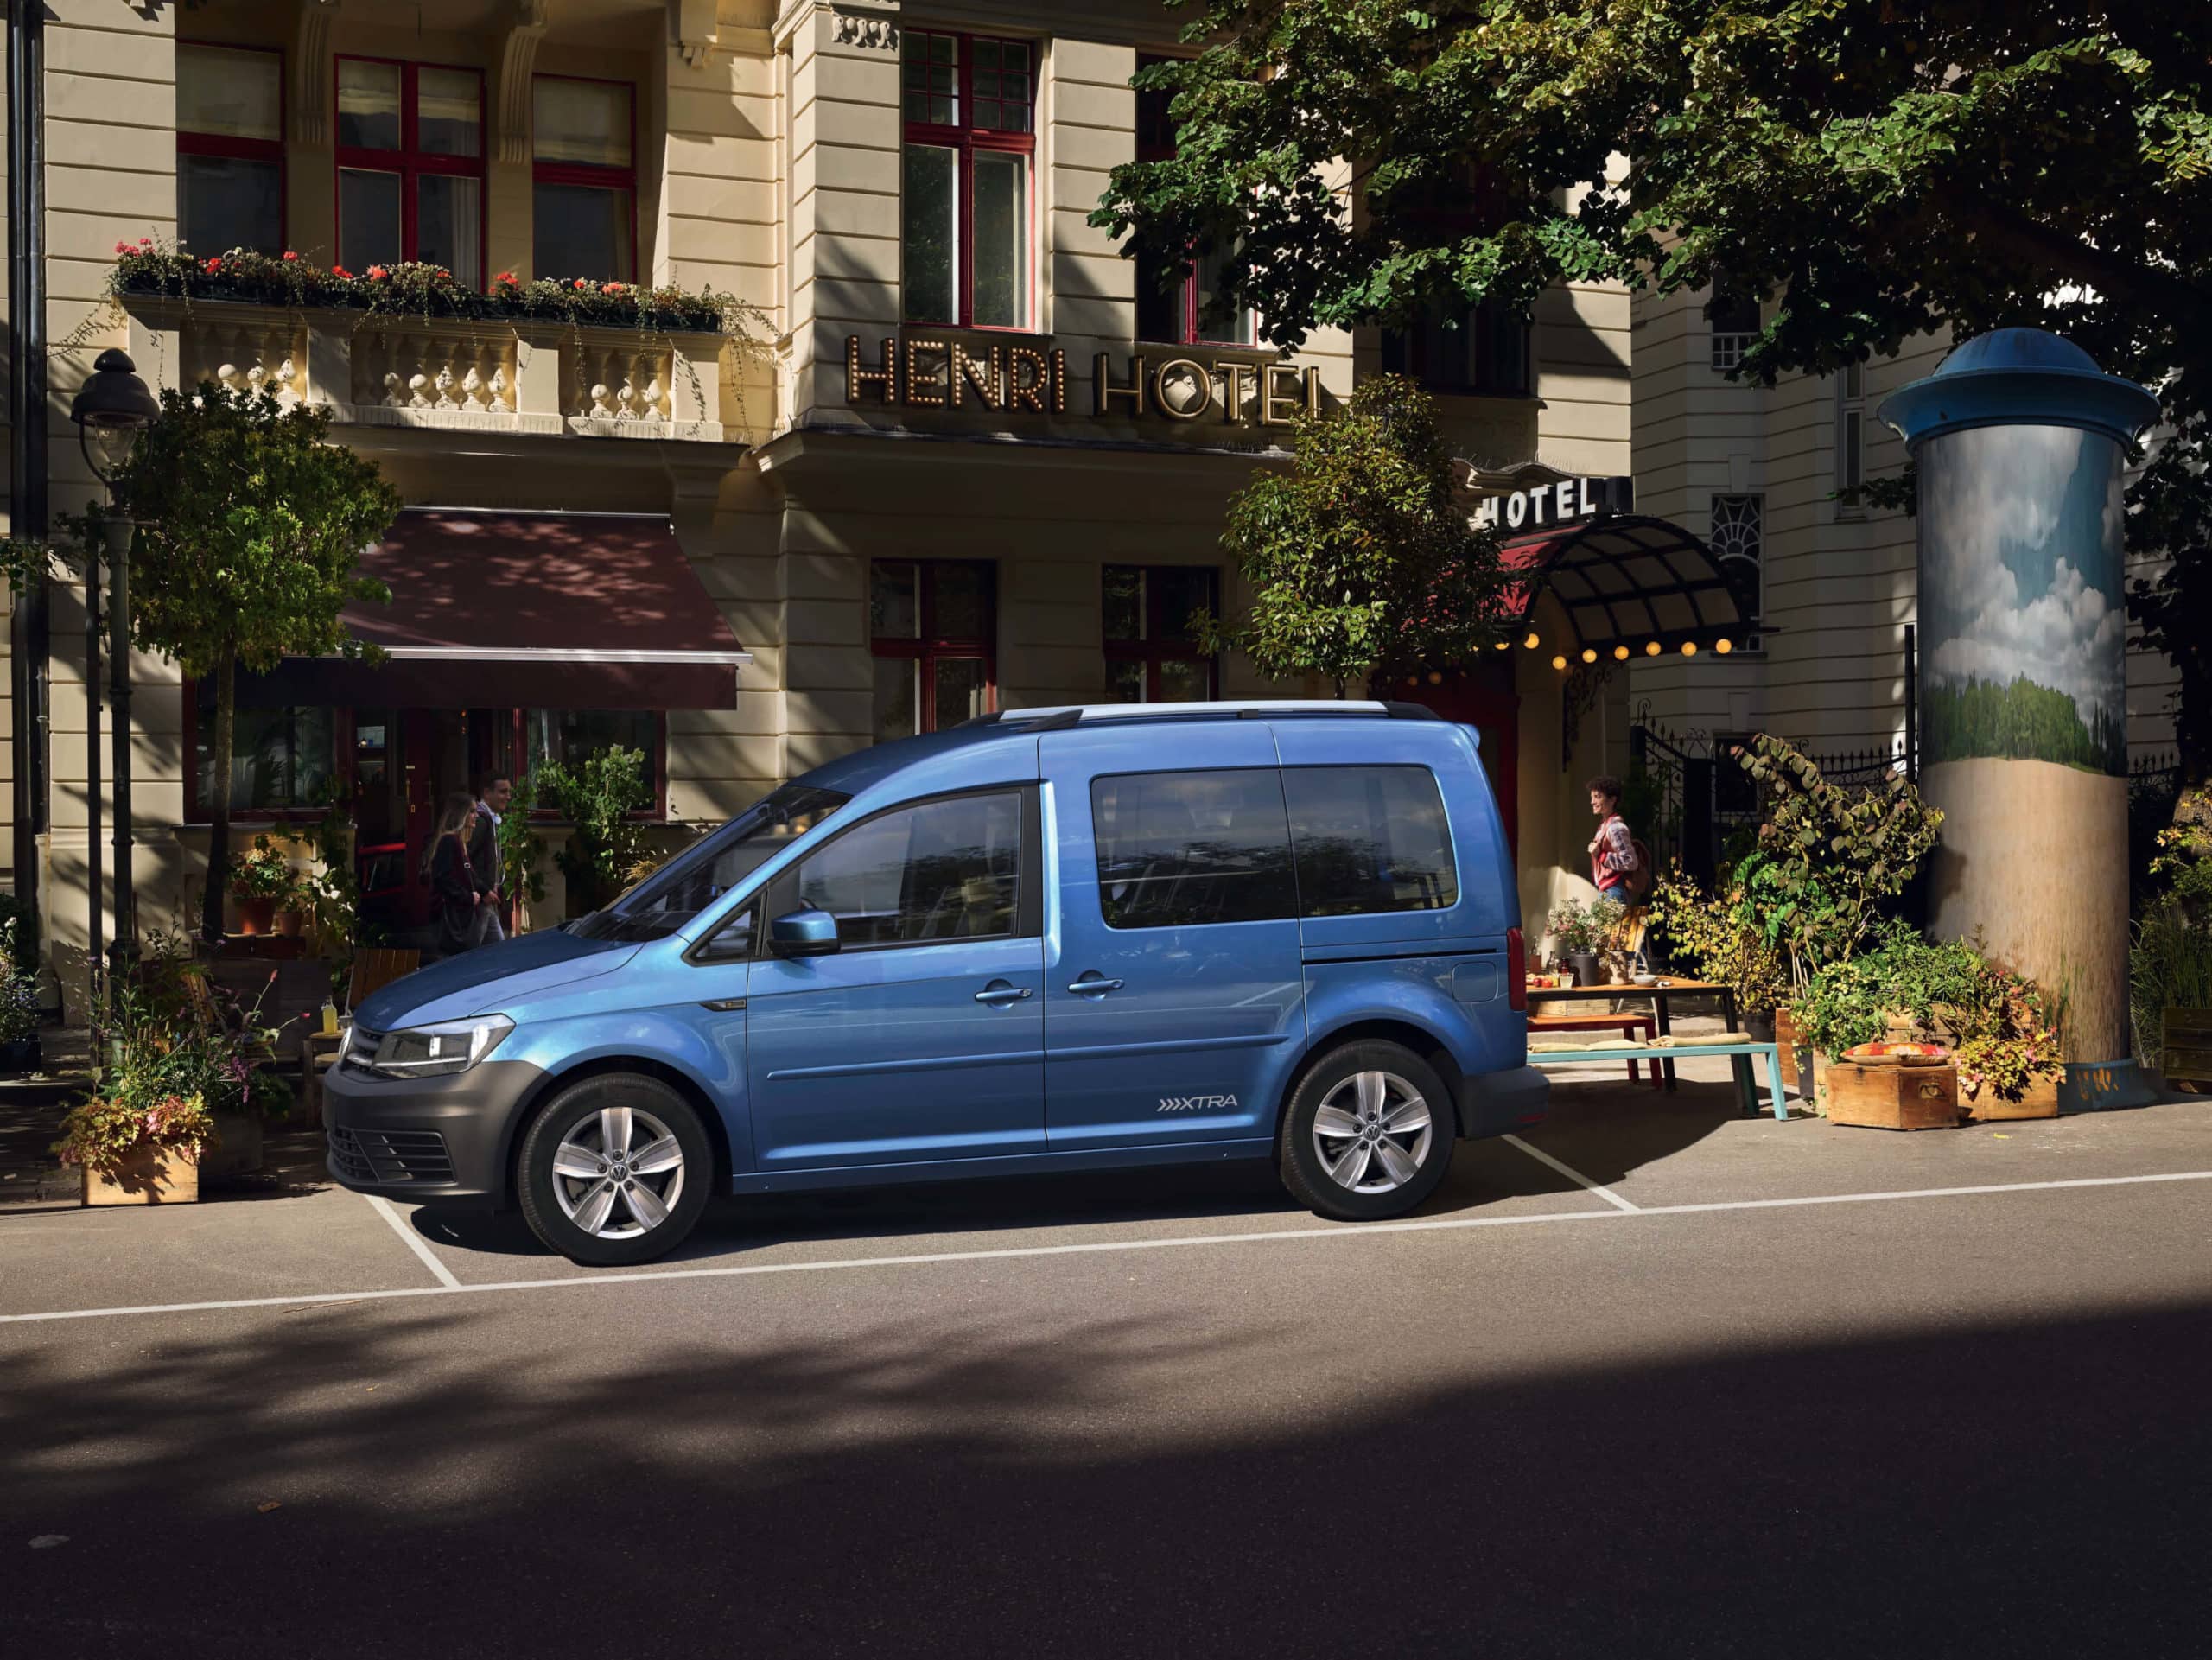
x,y
1725,1043
1626,1025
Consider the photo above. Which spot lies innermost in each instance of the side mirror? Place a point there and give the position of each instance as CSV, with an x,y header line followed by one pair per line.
x,y
802,933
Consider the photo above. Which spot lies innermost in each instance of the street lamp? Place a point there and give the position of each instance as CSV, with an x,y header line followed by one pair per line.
x,y
114,406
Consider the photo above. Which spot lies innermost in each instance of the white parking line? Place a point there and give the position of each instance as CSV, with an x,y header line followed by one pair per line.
x,y
1571,1175
414,1241
1360,1231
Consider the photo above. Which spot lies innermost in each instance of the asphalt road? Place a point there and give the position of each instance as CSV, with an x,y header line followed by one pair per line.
x,y
1166,1415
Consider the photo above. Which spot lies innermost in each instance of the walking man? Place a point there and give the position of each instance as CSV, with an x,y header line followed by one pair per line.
x,y
492,795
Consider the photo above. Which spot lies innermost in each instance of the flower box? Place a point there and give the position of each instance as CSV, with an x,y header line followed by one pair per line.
x,y
1882,1095
2038,1100
146,1175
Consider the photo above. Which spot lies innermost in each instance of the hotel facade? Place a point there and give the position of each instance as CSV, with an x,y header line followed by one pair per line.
x,y
962,455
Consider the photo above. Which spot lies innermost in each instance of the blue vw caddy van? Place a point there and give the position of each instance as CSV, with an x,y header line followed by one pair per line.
x,y
1051,939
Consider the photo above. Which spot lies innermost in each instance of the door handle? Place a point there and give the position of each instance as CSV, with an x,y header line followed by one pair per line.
x,y
1094,983
998,995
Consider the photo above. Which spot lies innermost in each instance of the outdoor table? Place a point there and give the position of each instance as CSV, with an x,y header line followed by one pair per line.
x,y
1660,995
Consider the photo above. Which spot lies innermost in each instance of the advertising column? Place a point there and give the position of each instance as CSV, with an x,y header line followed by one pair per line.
x,y
2020,441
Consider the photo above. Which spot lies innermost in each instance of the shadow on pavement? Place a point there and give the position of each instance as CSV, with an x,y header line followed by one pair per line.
x,y
938,1484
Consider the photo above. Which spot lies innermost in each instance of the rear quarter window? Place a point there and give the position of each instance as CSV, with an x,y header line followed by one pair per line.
x,y
1369,839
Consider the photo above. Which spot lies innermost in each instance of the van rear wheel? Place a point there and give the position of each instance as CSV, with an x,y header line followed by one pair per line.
x,y
1368,1133
615,1171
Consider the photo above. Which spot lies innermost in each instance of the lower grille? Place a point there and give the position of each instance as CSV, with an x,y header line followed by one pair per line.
x,y
389,1156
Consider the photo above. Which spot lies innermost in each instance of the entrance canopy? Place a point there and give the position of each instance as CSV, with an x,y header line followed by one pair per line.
x,y
1627,581
513,609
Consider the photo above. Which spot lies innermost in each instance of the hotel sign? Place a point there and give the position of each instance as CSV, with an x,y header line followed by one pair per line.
x,y
1570,501
915,373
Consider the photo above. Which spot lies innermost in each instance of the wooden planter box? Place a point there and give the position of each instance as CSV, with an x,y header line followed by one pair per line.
x,y
152,1175
2038,1100
235,1149
2185,1048
1890,1097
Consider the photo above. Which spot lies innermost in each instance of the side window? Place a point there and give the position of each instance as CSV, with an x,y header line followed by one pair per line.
x,y
1179,849
946,869
1368,839
733,941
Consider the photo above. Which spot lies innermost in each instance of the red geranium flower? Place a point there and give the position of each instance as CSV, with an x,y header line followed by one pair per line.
x,y
582,284
340,270
123,247
214,264
288,254
505,279
377,273
145,242
610,287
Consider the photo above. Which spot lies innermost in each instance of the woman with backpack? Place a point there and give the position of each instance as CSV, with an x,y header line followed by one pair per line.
x,y
460,901
1620,866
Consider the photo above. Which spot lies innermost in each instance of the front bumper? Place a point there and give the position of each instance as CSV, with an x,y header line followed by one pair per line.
x,y
1496,1103
431,1140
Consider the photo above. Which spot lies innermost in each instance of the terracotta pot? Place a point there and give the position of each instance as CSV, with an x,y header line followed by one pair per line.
x,y
148,1175
290,922
256,916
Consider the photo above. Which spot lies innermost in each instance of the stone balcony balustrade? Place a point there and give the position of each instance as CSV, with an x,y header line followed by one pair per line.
x,y
531,376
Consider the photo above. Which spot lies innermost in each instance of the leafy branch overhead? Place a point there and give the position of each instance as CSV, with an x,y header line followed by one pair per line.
x,y
1359,564
1870,170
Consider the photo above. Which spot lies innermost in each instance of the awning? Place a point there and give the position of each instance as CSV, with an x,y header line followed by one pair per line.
x,y
524,610
1630,580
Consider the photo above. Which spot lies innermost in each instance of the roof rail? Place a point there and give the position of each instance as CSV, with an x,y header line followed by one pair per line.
x,y
1059,716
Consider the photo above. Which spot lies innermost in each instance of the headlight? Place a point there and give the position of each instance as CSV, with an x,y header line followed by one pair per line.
x,y
435,1051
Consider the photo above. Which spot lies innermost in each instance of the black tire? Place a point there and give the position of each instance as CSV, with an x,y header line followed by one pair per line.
x,y
627,1239
1336,1074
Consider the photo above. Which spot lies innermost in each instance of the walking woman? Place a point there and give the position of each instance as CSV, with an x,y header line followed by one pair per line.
x,y
459,900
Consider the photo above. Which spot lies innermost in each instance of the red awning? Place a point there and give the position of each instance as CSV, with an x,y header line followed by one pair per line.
x,y
1628,580
524,610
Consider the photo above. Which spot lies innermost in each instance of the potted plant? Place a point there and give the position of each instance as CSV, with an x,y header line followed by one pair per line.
x,y
2009,1056
2170,956
1721,936
20,1008
1578,933
260,878
137,1153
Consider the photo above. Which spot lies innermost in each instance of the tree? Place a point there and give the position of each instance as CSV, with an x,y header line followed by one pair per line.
x,y
250,525
1359,562
1872,168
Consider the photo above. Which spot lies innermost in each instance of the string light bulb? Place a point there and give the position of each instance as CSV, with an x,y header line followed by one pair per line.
x,y
1503,644
1531,642
1724,646
1651,648
1689,648
1589,656
1435,678
1620,653
1559,663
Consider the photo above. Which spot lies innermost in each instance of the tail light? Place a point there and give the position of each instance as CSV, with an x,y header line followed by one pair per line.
x,y
1516,971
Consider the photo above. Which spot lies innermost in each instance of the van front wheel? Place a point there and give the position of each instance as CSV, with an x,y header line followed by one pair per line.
x,y
615,1171
1367,1134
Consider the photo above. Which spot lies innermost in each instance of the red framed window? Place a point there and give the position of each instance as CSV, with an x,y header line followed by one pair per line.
x,y
968,182
1180,307
933,628
230,149
411,165
584,178
1151,656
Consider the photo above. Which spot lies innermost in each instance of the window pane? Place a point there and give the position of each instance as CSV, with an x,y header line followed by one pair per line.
x,y
897,697
1504,368
368,218
942,870
1125,680
586,121
1368,839
1001,281
929,74
714,864
1216,323
448,225
895,612
223,204
368,105
280,758
930,225
1184,589
1160,310
1003,84
960,602
231,94
581,230
1186,680
962,690
448,112
1124,598
1178,849
1854,447
571,735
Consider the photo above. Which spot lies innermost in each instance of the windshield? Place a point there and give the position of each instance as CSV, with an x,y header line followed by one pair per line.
x,y
702,872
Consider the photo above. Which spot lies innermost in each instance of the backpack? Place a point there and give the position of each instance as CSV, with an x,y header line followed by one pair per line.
x,y
1640,880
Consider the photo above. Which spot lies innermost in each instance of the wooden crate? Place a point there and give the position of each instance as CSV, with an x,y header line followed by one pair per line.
x,y
2185,1047
2038,1100
1890,1097
149,1175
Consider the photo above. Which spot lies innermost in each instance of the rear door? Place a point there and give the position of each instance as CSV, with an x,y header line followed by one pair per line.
x,y
1173,999
922,1037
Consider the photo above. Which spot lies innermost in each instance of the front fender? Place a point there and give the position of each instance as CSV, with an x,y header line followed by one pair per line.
x,y
704,1046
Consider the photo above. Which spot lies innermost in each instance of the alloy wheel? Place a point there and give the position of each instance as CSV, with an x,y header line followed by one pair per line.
x,y
618,1174
1372,1132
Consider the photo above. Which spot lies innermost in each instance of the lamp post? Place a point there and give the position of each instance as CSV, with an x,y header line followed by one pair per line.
x,y
115,405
